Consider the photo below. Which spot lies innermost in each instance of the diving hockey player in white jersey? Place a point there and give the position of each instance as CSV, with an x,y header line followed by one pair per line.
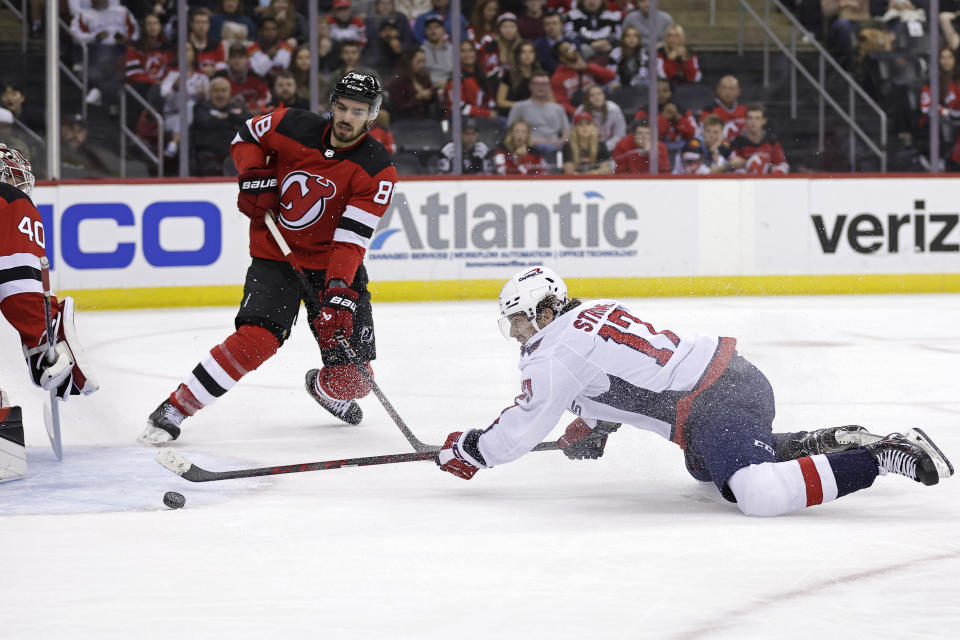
x,y
605,364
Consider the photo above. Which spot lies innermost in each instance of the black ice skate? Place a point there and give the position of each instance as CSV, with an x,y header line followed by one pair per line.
x,y
912,455
347,410
832,440
163,425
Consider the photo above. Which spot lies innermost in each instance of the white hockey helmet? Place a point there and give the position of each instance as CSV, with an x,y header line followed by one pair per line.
x,y
525,290
14,166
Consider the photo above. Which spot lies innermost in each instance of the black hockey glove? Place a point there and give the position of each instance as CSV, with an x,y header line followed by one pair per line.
x,y
258,192
580,442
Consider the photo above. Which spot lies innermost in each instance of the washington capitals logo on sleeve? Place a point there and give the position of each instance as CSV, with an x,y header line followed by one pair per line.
x,y
527,349
303,197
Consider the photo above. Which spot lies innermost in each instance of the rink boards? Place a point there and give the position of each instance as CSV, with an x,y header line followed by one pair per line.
x,y
169,243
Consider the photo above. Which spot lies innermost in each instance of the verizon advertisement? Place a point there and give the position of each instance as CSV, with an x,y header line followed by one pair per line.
x,y
181,235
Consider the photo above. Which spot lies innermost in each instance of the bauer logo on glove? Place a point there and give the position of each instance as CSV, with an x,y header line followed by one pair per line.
x,y
259,184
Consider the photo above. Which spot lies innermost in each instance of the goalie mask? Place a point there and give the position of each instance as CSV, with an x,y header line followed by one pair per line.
x,y
526,290
15,169
362,87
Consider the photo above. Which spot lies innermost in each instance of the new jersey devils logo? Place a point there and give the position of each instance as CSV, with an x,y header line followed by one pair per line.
x,y
303,197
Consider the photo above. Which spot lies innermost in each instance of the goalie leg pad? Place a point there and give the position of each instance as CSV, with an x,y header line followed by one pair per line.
x,y
13,453
344,381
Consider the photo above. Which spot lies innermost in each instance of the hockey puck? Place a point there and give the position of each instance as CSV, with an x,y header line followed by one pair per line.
x,y
174,500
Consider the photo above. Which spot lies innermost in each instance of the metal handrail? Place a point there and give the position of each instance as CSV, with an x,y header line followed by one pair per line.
x,y
126,132
30,132
854,87
81,83
21,15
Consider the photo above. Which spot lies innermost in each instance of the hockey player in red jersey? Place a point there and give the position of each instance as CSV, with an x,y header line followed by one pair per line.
x,y
606,365
328,184
22,244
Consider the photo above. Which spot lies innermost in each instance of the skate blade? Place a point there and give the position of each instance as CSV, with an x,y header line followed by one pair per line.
x,y
940,461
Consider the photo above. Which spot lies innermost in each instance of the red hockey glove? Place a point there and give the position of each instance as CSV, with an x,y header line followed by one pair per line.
x,y
454,458
258,192
337,307
580,442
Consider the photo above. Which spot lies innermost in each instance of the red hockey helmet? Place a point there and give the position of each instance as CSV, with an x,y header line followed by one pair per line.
x,y
15,169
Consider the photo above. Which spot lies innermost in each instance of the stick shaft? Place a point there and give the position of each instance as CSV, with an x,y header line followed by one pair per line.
x,y
53,429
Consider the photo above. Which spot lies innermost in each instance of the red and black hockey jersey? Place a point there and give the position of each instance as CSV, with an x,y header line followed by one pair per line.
x,y
331,200
22,242
762,157
734,118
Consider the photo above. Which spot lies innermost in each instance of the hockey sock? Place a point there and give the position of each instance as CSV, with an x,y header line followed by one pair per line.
x,y
223,367
344,381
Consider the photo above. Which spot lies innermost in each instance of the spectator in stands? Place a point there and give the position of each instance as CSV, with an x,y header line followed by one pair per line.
x,y
716,150
12,99
552,35
328,49
198,85
530,22
846,16
690,159
77,158
209,55
649,26
441,7
412,94
673,127
413,8
384,49
608,117
475,156
475,98
232,11
438,52
574,76
548,121
675,62
483,20
291,26
149,58
584,153
497,51
514,82
346,25
632,153
756,150
517,155
284,93
269,53
350,61
384,10
381,131
10,136
300,70
215,123
630,59
949,19
949,109
725,106
106,30
245,86
594,29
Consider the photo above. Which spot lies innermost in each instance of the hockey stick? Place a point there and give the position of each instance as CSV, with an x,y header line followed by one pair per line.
x,y
172,460
310,296
51,413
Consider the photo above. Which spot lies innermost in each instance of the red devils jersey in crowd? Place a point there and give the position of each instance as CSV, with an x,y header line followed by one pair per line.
x,y
148,66
331,200
683,128
253,91
762,157
676,71
474,101
734,119
632,159
22,243
531,163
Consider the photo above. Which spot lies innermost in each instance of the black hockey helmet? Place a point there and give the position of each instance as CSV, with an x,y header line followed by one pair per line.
x,y
360,86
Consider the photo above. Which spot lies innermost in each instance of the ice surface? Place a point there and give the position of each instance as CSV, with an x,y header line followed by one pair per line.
x,y
625,547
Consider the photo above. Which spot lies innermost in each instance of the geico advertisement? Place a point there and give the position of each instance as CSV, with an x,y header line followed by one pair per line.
x,y
191,234
121,236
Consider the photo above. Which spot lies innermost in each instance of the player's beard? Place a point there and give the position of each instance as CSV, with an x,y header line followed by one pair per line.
x,y
352,137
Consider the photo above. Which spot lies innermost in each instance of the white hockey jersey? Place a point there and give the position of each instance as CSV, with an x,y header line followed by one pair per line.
x,y
602,362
